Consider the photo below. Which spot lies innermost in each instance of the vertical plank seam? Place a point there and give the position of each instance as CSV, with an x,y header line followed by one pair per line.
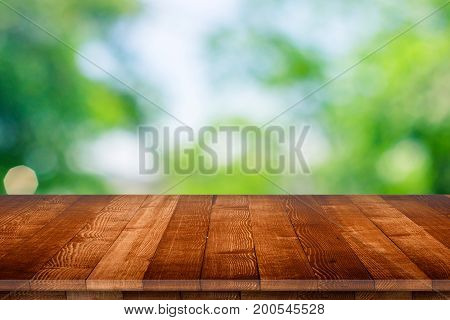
x,y
296,235
212,199
393,242
150,259
436,214
337,230
389,239
118,235
285,201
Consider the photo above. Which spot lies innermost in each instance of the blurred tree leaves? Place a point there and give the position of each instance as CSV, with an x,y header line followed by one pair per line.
x,y
266,57
387,121
46,104
391,134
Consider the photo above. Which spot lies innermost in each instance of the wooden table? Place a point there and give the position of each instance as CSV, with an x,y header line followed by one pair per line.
x,y
237,247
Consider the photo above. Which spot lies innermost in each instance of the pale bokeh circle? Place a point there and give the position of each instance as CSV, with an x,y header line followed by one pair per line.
x,y
20,180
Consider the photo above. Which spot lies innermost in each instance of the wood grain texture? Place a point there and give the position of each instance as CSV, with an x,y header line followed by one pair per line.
x,y
177,263
230,259
431,295
22,264
326,295
432,221
224,247
439,202
282,262
151,295
211,295
425,251
224,295
383,295
269,295
33,295
70,267
125,263
390,268
333,261
13,206
94,295
24,221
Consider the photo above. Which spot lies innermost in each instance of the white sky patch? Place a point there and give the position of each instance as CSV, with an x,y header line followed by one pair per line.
x,y
167,40
100,54
316,147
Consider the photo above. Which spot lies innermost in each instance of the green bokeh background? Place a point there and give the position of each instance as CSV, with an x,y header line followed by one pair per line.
x,y
387,121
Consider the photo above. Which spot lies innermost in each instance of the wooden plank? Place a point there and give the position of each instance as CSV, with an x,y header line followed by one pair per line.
x,y
282,262
14,206
326,295
269,295
431,255
33,295
433,222
151,295
431,295
94,295
29,219
331,258
383,295
7,201
151,201
211,295
10,204
230,259
70,267
388,265
439,202
178,260
223,245
125,263
20,265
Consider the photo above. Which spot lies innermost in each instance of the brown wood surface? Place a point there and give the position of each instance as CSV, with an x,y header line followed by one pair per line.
x,y
390,268
282,263
225,295
421,248
22,263
27,218
438,202
125,263
177,263
230,259
423,215
329,255
224,247
71,266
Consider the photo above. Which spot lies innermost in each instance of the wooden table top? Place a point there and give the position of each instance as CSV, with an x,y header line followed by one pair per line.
x,y
138,242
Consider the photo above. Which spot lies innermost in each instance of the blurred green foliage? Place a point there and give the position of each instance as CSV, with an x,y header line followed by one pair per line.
x,y
46,105
387,122
392,134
